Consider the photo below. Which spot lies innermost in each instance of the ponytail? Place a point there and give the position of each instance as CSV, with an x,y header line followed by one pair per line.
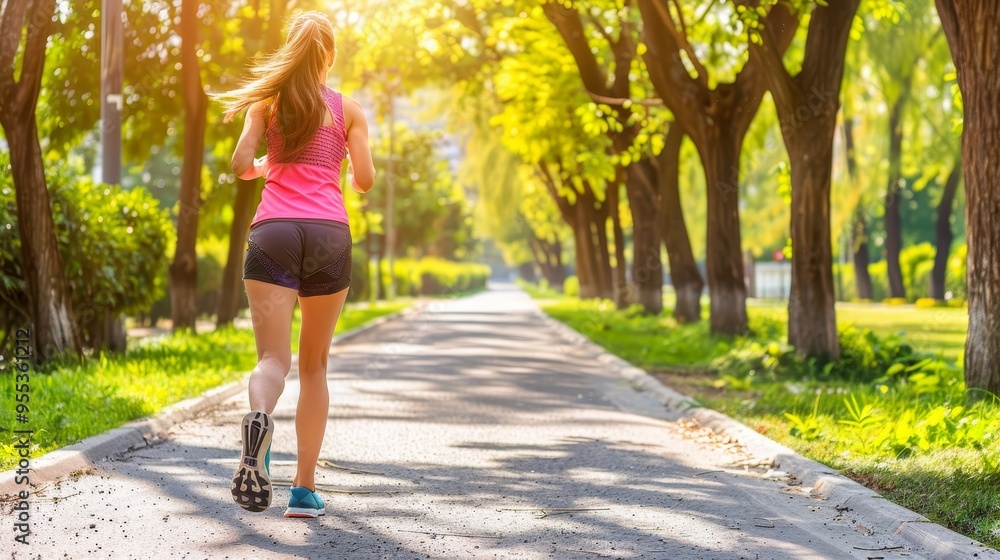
x,y
289,82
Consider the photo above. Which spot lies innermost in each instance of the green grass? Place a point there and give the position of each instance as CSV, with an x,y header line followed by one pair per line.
x,y
907,431
71,402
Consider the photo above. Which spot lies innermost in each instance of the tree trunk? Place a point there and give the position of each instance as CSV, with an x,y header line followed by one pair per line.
x,y
647,267
598,215
893,224
684,274
53,328
586,265
943,233
859,242
621,291
247,192
720,155
231,291
807,106
548,257
972,28
716,118
812,323
859,225
184,268
526,271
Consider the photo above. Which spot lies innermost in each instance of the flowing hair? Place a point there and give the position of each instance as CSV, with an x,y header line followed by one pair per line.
x,y
289,83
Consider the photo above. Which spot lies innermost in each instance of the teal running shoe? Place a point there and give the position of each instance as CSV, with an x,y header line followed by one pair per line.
x,y
304,503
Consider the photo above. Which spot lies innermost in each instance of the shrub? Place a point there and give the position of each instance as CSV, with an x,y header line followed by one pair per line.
x,y
930,302
112,242
864,357
571,286
955,273
915,264
895,301
439,276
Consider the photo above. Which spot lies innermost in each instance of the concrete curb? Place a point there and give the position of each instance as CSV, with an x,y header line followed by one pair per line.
x,y
140,433
867,509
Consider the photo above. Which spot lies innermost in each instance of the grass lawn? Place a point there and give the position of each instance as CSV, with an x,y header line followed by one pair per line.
x,y
71,402
931,329
900,423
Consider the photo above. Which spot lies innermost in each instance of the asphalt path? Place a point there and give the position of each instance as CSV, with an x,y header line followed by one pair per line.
x,y
469,430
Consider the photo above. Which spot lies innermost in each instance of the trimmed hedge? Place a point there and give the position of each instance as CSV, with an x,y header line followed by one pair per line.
x,y
434,276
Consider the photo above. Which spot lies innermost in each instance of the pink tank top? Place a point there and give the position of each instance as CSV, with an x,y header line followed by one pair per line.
x,y
309,186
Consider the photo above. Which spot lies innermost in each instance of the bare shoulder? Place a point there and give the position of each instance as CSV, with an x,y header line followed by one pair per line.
x,y
257,111
352,109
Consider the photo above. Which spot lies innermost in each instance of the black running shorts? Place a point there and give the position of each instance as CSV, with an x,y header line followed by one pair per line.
x,y
311,256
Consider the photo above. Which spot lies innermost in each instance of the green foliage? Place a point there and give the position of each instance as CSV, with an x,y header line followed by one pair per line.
x,y
438,276
915,263
431,213
542,290
112,242
955,273
571,286
433,276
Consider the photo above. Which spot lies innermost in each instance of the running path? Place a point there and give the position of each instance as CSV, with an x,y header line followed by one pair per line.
x,y
470,430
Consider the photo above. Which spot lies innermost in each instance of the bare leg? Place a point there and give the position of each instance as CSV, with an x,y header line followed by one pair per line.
x,y
271,309
319,317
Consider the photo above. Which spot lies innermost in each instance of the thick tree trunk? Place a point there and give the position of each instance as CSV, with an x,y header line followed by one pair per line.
x,y
893,223
807,106
684,274
586,260
602,261
620,284
720,155
53,330
972,28
231,291
859,225
184,268
812,324
943,233
647,267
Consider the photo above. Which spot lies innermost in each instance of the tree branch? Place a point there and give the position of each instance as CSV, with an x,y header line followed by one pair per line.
x,y
829,26
542,169
769,54
681,40
708,9
621,101
600,29
11,22
570,27
39,29
667,72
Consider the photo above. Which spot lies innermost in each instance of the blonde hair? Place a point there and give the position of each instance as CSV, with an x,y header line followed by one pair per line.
x,y
289,83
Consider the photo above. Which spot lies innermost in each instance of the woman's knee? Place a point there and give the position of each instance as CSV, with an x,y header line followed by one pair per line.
x,y
278,363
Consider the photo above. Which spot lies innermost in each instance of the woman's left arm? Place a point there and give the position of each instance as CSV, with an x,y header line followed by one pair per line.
x,y
243,163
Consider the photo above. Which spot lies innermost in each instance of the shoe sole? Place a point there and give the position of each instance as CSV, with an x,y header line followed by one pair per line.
x,y
251,487
304,513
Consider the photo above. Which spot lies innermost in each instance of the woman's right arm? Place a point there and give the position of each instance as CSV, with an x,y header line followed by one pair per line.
x,y
244,165
363,177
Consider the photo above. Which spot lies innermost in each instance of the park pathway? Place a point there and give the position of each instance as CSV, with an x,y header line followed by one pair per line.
x,y
469,430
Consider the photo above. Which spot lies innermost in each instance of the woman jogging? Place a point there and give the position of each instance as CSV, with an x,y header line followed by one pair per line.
x,y
299,247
